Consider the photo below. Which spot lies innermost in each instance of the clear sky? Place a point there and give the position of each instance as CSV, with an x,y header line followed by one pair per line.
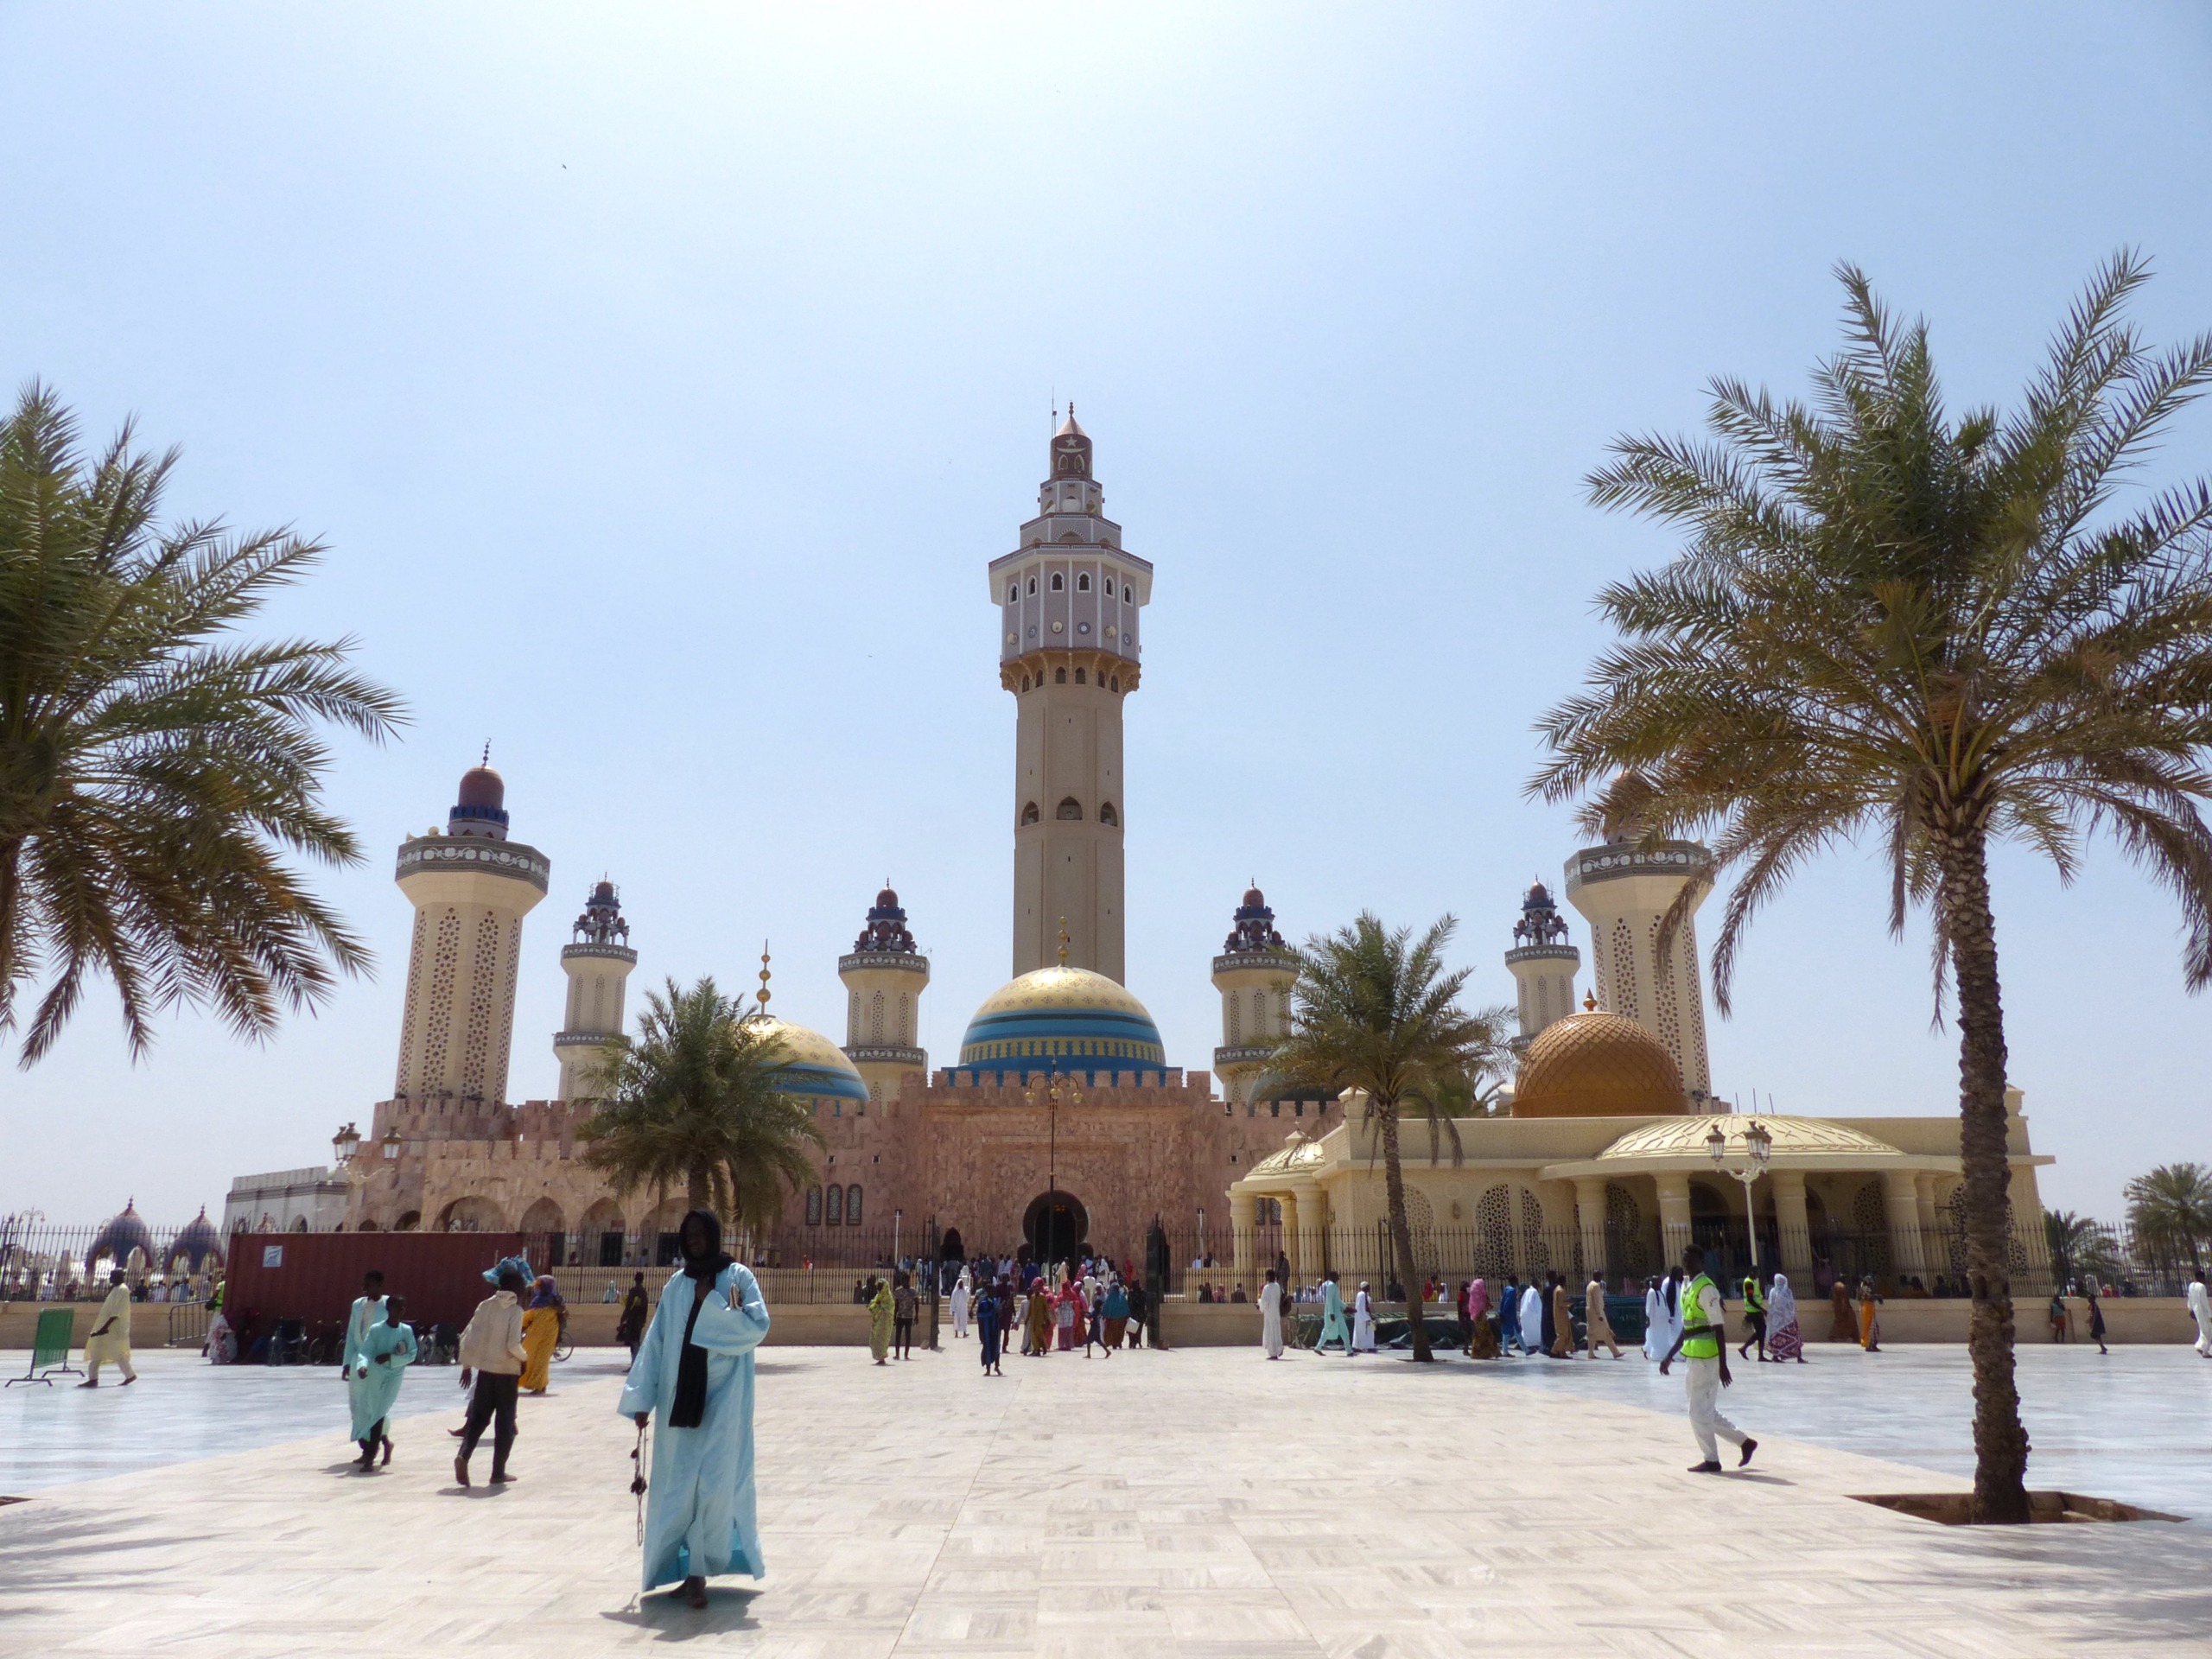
x,y
663,380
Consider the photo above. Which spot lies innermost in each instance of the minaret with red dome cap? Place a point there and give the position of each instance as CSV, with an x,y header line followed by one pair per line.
x,y
884,976
1253,974
471,886
597,960
1068,599
1543,963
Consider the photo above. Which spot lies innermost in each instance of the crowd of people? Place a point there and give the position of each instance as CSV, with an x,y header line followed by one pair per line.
x,y
1061,1306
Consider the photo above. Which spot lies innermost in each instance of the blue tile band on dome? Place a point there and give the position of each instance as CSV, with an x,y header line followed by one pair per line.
x,y
1061,1019
812,1065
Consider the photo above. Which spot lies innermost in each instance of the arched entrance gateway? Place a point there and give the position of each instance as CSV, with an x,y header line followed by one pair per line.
x,y
1056,1226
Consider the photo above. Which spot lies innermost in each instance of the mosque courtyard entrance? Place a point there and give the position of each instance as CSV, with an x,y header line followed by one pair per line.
x,y
1056,1226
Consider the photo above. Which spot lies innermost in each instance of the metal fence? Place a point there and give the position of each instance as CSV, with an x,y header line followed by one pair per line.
x,y
41,1262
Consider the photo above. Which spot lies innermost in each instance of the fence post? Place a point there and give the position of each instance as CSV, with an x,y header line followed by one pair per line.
x,y
937,1276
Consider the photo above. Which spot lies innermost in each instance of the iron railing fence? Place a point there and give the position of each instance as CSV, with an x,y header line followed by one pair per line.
x,y
41,1261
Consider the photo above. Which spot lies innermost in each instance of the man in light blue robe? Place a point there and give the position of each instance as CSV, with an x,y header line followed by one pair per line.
x,y
693,1381
1333,1328
382,1354
367,1313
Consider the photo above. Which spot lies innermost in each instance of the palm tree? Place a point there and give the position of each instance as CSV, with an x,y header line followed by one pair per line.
x,y
2075,1243
153,768
694,1099
2171,1209
1946,633
1371,1011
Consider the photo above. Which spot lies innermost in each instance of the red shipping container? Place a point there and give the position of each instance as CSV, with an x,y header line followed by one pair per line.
x,y
316,1276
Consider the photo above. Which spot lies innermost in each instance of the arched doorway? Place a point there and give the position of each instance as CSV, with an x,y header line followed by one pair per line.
x,y
951,1246
1056,1226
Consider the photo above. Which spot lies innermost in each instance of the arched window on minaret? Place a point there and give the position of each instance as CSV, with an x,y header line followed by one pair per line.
x,y
875,1018
1079,680
1070,809
1029,813
1059,677
1107,814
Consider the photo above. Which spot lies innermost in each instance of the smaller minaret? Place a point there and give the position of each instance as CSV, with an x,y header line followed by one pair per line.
x,y
598,962
884,976
1543,964
1253,974
1626,890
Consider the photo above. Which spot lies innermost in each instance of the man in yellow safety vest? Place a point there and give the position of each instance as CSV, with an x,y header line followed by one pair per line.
x,y
1703,1345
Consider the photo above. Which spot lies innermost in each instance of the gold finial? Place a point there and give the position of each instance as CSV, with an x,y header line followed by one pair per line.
x,y
1589,1002
1064,941
486,761
763,975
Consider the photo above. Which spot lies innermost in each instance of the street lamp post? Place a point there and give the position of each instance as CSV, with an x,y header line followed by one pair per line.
x,y
1758,1147
346,1143
1049,1094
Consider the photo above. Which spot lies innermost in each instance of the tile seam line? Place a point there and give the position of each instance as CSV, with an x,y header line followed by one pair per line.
x,y
974,1475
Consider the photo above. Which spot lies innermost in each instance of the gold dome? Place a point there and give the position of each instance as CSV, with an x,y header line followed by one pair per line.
x,y
1597,1065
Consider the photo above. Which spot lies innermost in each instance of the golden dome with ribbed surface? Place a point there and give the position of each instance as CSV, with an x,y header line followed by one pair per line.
x,y
1597,1065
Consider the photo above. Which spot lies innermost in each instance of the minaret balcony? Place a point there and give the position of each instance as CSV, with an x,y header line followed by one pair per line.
x,y
588,1039
1245,961
621,953
1242,1054
470,855
898,962
1541,953
1684,860
888,1054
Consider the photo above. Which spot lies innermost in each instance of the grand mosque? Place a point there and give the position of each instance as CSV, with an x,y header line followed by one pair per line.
x,y
1063,1120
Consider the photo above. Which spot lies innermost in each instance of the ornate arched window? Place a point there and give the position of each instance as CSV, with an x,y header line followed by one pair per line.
x,y
876,1018
853,1204
1083,583
1059,677
1107,813
814,1206
835,1214
1059,583
1029,813
1078,678
1069,809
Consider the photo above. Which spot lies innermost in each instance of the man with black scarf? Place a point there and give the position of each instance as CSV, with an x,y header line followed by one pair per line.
x,y
692,1380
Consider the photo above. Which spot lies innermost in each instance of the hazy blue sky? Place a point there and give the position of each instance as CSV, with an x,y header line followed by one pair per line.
x,y
664,379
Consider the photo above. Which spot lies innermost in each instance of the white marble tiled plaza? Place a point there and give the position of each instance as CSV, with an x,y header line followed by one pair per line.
x,y
1203,1502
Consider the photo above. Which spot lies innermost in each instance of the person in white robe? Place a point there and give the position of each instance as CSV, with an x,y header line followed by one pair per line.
x,y
693,1381
2200,1309
1654,1311
1532,1318
110,1341
1362,1321
961,1297
1271,1316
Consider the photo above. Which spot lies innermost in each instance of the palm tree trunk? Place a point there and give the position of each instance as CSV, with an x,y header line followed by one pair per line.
x,y
698,1188
1401,1237
2000,1442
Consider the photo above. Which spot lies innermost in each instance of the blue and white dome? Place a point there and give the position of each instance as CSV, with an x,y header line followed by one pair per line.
x,y
1061,1019
813,1066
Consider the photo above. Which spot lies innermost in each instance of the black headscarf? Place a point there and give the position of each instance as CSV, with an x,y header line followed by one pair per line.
x,y
690,1406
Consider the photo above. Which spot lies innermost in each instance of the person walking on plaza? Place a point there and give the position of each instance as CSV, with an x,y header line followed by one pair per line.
x,y
961,1299
1038,1324
1532,1318
1703,1345
1133,1333
1482,1339
1559,1322
1362,1321
492,1350
1755,1318
1870,1322
1784,1340
383,1352
637,1308
1597,1327
1333,1328
693,1381
1509,1319
2097,1319
2200,1309
367,1313
1654,1322
1843,1322
903,1304
541,1333
110,1338
1271,1316
988,1312
1116,1313
880,1308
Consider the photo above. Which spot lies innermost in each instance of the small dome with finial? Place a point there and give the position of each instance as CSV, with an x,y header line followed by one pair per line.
x,y
481,804
886,931
1253,926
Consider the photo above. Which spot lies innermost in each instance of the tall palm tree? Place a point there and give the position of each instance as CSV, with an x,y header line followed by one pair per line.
x,y
155,768
2171,1209
1943,632
693,1100
1375,1010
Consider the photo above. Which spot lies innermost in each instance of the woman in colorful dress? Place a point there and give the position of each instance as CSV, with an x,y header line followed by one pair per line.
x,y
1784,1339
541,1333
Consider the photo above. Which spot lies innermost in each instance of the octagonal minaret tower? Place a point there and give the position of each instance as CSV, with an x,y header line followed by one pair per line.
x,y
884,976
1068,602
1543,964
597,960
1253,974
471,887
1624,889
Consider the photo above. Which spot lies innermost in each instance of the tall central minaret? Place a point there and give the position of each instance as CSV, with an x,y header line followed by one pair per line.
x,y
1068,601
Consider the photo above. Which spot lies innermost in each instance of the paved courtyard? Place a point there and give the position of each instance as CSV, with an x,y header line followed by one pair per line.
x,y
1201,1501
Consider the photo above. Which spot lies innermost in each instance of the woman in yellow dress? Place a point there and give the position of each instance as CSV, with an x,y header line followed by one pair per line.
x,y
541,1334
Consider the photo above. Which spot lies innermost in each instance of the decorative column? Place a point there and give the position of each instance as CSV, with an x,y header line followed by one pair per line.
x,y
1242,1233
1791,1221
1924,1192
1288,1201
1900,1199
1673,1215
1305,1254
1590,1213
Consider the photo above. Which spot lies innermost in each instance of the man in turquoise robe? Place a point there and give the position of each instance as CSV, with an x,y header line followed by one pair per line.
x,y
693,1380
1333,1328
382,1354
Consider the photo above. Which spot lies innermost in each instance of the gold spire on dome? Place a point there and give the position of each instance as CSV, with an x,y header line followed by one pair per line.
x,y
763,975
1589,1002
1064,941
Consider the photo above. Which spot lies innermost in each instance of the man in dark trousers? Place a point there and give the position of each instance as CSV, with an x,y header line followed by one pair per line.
x,y
491,1348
